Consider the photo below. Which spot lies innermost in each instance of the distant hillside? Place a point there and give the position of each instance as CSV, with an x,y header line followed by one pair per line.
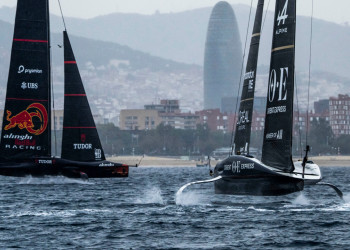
x,y
88,50
118,76
115,76
181,36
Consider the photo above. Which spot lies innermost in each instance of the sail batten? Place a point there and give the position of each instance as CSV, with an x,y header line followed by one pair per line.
x,y
277,144
245,115
80,141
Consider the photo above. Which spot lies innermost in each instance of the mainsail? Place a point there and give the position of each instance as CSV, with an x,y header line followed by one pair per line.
x,y
277,145
80,141
244,122
26,128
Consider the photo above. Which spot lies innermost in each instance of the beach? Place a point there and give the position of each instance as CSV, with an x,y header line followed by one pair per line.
x,y
158,161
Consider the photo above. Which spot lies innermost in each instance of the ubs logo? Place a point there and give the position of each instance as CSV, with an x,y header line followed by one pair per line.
x,y
278,89
29,85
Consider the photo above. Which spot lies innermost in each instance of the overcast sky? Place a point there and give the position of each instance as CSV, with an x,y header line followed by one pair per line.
x,y
331,10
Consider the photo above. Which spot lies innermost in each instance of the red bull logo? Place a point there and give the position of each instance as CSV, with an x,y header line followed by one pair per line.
x,y
24,119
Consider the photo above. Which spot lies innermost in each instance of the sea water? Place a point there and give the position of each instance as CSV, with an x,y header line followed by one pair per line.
x,y
143,212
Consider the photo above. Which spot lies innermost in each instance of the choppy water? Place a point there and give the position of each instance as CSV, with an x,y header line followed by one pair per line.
x,y
142,212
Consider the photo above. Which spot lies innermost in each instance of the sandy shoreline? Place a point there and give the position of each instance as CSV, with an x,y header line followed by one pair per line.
x,y
323,161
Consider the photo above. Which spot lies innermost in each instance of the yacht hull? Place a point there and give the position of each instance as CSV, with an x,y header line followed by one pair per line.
x,y
243,175
39,167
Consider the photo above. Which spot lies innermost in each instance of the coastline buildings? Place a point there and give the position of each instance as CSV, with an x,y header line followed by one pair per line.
x,y
335,111
167,112
339,111
223,56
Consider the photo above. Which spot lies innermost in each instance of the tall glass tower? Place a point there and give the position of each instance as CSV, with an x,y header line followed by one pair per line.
x,y
223,56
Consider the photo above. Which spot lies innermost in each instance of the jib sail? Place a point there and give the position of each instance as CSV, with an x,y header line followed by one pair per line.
x,y
245,114
80,140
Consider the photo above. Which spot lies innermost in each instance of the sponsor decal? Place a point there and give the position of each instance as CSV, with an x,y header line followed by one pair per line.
x,y
281,31
24,119
22,69
227,167
45,161
18,137
250,84
281,19
282,16
247,166
21,142
243,117
98,154
82,146
276,110
106,165
29,85
236,166
23,147
275,136
278,89
25,142
83,138
249,75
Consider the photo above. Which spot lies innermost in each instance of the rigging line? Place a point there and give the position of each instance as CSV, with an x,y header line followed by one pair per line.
x,y
240,78
64,23
310,60
299,123
298,115
54,112
50,79
268,4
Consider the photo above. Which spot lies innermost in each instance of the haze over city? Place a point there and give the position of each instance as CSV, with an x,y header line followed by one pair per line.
x,y
334,11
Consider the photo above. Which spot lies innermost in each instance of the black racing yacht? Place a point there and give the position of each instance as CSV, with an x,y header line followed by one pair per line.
x,y
276,173
25,147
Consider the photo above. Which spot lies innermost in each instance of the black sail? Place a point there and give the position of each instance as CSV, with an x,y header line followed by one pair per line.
x,y
244,121
80,140
277,146
26,128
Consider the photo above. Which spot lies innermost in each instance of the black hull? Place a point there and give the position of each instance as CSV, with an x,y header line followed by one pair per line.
x,y
259,186
40,167
245,176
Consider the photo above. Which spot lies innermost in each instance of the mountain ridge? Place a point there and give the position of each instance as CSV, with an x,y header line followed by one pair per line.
x,y
181,36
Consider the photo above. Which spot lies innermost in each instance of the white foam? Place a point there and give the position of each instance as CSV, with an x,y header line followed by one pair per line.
x,y
42,214
61,180
56,213
346,198
188,199
301,200
259,209
152,195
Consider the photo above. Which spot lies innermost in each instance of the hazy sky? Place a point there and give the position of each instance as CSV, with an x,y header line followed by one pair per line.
x,y
332,10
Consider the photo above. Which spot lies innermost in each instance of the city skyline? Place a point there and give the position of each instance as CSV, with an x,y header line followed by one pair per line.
x,y
222,59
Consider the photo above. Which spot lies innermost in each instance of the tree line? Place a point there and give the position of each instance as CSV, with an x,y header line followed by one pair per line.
x,y
166,140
